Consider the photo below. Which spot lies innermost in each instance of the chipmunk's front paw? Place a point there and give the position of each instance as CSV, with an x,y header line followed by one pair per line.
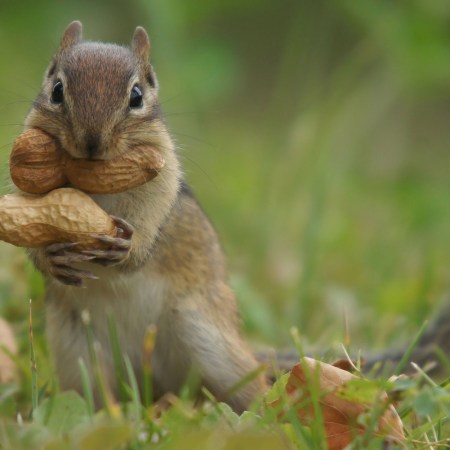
x,y
117,248
61,257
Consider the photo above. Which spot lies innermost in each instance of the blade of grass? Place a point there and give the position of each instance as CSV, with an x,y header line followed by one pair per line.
x,y
424,375
51,403
371,428
34,383
409,351
445,383
134,388
100,381
245,380
443,358
295,335
289,410
87,387
149,346
285,410
118,362
312,377
317,428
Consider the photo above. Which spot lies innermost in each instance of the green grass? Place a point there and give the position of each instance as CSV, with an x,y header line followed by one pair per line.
x,y
65,420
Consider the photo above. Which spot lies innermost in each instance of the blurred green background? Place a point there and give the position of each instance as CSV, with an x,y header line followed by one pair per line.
x,y
314,133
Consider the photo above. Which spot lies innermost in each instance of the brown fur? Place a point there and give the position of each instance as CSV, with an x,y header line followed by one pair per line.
x,y
174,275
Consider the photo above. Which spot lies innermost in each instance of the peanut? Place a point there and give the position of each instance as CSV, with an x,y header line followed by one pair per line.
x,y
38,165
63,215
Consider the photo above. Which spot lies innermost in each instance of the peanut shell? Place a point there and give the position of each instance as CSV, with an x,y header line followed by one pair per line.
x,y
132,169
35,162
63,215
38,165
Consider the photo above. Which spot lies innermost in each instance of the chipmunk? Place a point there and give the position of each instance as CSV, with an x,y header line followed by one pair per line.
x,y
167,268
99,100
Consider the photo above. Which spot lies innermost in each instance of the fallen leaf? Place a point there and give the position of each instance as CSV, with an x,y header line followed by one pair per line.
x,y
347,365
340,410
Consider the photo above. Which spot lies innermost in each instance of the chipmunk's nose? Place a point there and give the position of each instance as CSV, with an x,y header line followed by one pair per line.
x,y
92,145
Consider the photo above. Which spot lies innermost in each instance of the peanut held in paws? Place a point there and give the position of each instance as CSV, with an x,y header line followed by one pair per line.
x,y
38,165
63,215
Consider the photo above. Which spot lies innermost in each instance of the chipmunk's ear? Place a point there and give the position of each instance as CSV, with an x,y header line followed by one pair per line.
x,y
72,35
141,44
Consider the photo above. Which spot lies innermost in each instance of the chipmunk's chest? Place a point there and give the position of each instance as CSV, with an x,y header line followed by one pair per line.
x,y
131,302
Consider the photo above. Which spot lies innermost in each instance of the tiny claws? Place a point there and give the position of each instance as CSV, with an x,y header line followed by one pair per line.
x,y
69,281
116,253
112,254
73,277
126,230
112,241
61,258
107,257
59,247
62,255
69,258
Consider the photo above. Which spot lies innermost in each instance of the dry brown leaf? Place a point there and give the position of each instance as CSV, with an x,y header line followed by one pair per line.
x,y
338,435
8,369
347,365
340,416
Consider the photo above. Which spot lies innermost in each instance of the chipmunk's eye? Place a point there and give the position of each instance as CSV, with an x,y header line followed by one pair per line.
x,y
136,97
58,92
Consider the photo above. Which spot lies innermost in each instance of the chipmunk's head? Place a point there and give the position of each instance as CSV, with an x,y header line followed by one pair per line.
x,y
100,99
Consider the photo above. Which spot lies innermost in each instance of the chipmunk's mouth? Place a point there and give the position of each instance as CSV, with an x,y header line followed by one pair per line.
x,y
86,145
93,142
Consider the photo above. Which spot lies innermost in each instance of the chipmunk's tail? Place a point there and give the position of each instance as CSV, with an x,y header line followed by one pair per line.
x,y
431,353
